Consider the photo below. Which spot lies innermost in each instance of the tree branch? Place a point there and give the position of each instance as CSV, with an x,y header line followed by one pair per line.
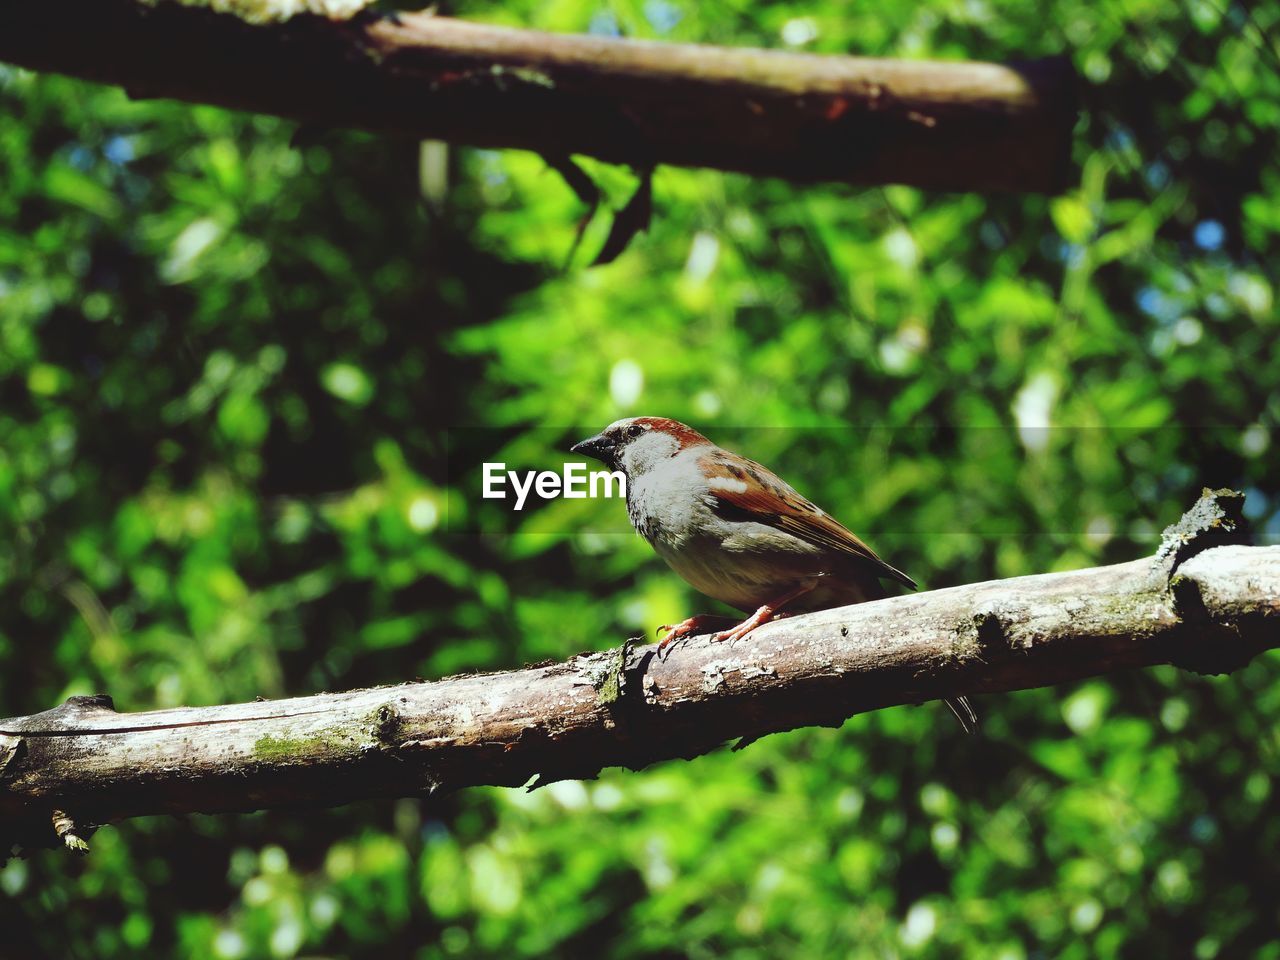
x,y
1194,604
957,126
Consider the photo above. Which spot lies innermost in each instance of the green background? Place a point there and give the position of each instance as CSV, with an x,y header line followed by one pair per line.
x,y
231,364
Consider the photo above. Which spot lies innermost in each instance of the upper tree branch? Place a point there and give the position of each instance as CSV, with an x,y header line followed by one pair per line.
x,y
83,763
961,126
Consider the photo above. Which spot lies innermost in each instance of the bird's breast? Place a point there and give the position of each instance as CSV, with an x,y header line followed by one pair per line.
x,y
667,506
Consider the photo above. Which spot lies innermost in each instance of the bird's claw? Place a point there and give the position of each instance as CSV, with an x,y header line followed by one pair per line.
x,y
677,634
672,636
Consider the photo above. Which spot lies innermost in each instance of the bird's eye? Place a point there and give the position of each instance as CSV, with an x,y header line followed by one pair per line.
x,y
634,431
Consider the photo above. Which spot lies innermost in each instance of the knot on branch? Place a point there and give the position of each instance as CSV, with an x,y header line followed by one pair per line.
x,y
624,688
610,678
67,716
1216,519
93,703
1203,644
620,678
981,633
384,727
989,628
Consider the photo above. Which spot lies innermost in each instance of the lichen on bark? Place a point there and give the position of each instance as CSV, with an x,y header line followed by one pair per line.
x,y
274,11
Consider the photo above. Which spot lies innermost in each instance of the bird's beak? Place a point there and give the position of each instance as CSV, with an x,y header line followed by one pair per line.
x,y
598,447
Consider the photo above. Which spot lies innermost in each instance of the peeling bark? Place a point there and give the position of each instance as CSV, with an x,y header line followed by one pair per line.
x,y
952,126
83,763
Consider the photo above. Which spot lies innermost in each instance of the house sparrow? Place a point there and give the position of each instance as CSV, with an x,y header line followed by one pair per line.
x,y
736,532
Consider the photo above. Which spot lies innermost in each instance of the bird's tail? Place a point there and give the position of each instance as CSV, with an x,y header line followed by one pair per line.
x,y
963,711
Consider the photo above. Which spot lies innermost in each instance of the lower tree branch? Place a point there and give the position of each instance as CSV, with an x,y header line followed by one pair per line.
x,y
1195,604
959,126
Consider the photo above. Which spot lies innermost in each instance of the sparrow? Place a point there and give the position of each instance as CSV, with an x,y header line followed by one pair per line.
x,y
738,533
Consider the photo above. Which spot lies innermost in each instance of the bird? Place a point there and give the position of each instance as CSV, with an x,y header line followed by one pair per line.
x,y
738,533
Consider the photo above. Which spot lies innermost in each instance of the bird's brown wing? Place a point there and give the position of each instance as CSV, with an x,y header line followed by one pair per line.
x,y
743,489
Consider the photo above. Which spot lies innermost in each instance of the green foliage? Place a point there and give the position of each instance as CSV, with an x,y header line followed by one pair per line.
x,y
231,369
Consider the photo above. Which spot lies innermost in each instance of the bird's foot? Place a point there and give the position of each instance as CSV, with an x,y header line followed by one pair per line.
x,y
769,611
691,626
763,615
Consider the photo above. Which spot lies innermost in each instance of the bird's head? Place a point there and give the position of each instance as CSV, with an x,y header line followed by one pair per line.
x,y
638,444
